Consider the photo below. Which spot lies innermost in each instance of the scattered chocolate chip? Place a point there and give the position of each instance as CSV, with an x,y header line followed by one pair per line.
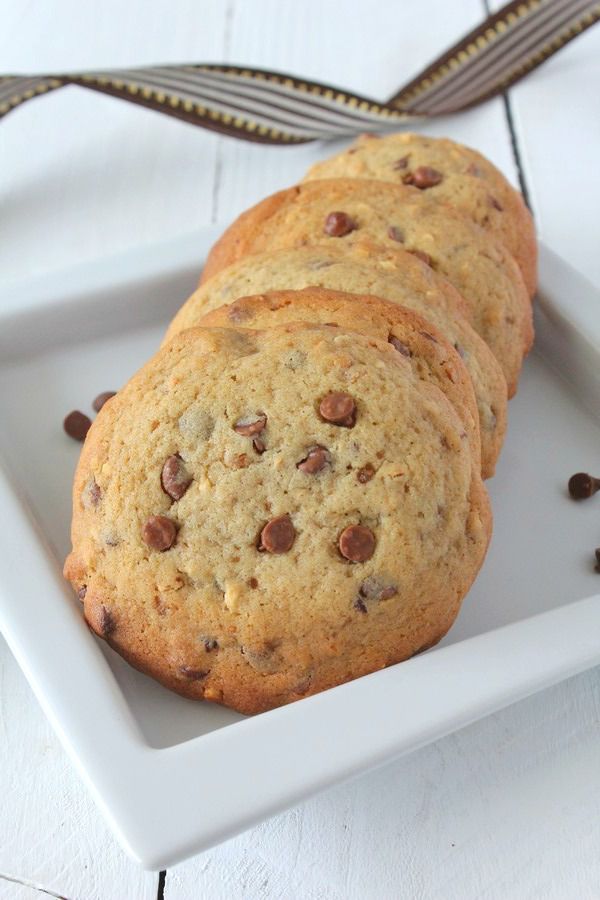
x,y
339,224
174,478
424,257
581,486
315,460
159,532
210,644
359,604
494,203
373,590
77,425
338,408
251,425
82,592
597,555
101,399
193,674
401,163
429,336
357,543
278,535
365,474
396,234
259,445
253,582
399,346
91,494
423,177
106,622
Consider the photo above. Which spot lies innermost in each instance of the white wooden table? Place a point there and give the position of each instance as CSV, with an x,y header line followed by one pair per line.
x,y
507,808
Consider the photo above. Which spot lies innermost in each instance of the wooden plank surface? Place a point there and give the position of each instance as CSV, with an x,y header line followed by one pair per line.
x,y
508,808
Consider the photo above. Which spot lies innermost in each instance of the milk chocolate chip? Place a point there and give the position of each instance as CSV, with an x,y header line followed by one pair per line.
x,y
251,425
581,486
365,474
193,674
399,346
339,224
175,479
401,163
101,399
357,543
396,234
424,257
277,535
159,533
315,460
77,425
423,177
338,408
373,590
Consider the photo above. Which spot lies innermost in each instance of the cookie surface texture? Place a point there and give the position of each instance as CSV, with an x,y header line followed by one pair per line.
x,y
450,172
226,539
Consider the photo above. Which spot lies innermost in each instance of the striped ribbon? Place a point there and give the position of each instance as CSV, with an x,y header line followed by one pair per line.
x,y
276,108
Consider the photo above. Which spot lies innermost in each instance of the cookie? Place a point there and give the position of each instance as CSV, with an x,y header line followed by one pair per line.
x,y
351,210
449,172
395,275
226,539
432,358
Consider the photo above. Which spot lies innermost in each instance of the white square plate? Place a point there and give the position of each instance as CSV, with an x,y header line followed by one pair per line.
x,y
175,776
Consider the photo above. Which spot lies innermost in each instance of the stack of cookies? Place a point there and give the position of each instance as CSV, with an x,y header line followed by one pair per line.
x,y
289,494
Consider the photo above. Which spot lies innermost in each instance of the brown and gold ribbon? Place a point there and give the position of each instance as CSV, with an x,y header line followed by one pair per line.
x,y
275,108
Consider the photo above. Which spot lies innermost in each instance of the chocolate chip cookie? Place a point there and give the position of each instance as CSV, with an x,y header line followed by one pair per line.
x,y
449,172
351,210
432,358
259,515
395,275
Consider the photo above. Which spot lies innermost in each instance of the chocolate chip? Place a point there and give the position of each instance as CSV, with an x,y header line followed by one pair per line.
x,y
339,224
357,543
423,177
373,590
253,582
315,460
597,555
101,399
401,163
106,622
396,234
278,535
494,203
159,533
193,674
77,425
399,346
581,486
365,474
250,425
174,478
210,644
82,592
424,257
259,445
338,408
91,494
